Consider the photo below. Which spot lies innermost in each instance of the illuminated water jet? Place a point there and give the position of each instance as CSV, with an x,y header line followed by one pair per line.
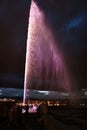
x,y
44,68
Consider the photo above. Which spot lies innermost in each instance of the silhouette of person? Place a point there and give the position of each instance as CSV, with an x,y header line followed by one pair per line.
x,y
18,115
27,112
49,122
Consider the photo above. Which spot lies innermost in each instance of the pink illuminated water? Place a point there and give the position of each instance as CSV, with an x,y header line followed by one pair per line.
x,y
45,67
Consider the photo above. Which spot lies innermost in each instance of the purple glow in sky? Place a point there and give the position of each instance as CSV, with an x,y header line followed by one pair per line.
x,y
45,68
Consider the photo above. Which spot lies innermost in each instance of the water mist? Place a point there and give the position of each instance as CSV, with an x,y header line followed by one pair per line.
x,y
44,67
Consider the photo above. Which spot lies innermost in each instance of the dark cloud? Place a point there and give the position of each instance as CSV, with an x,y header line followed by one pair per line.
x,y
11,80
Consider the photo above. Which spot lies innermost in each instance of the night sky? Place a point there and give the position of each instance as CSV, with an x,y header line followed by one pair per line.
x,y
68,22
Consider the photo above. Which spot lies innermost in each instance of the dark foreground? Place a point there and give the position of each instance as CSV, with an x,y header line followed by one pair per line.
x,y
63,117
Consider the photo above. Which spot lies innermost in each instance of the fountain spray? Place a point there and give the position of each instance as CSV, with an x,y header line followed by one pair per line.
x,y
44,64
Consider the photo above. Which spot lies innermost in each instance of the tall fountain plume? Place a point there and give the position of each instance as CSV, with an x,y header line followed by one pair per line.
x,y
45,67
